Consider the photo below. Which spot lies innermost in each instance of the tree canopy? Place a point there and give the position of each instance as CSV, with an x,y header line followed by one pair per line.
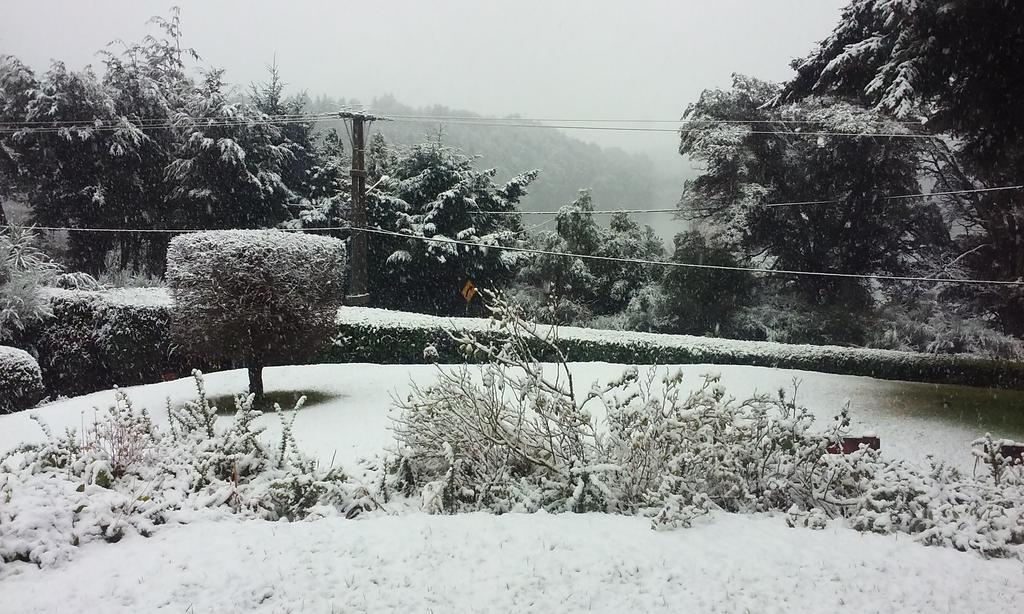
x,y
782,191
958,68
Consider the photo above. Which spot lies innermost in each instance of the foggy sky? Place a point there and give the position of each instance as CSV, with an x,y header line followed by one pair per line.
x,y
556,58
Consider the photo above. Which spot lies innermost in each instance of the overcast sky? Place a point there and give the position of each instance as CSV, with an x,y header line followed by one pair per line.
x,y
539,58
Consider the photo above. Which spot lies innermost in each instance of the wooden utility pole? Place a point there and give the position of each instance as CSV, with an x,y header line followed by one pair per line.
x,y
359,291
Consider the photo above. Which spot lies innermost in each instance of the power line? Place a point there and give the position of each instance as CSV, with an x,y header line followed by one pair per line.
x,y
527,250
461,118
875,135
905,196
596,211
693,265
163,230
682,120
115,121
780,204
190,124
49,128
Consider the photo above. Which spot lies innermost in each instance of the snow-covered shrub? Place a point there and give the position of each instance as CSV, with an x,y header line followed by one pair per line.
x,y
787,317
124,474
647,309
755,455
23,270
516,435
940,506
520,436
76,280
264,296
933,327
21,382
513,439
550,308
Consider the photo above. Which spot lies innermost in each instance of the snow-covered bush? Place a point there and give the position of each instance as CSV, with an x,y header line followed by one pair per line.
x,y
76,280
784,316
933,327
939,506
516,435
512,439
23,269
21,382
523,437
124,474
264,296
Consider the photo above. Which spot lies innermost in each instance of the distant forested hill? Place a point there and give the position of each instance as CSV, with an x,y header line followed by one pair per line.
x,y
616,178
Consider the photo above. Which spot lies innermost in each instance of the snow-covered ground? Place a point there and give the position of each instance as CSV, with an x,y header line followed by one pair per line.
x,y
355,422
413,562
516,563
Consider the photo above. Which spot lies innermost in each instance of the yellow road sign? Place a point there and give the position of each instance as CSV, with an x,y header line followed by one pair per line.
x,y
468,291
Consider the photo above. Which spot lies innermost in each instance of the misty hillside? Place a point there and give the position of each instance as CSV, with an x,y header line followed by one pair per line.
x,y
617,179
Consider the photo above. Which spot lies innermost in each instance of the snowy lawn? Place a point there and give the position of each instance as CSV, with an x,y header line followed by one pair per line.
x,y
515,563
354,421
414,562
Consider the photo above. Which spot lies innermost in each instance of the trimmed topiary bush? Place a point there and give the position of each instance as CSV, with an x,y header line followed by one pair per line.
x,y
21,381
265,296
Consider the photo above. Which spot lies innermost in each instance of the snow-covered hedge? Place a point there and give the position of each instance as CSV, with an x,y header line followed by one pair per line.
x,y
122,337
21,381
94,340
391,337
124,474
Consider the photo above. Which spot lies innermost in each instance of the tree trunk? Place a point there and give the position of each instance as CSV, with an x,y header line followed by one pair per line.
x,y
256,382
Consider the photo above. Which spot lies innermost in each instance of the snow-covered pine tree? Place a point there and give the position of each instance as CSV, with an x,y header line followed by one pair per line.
x,y
227,171
434,192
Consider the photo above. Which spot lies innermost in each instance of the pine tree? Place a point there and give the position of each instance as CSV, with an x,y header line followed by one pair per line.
x,y
433,192
227,171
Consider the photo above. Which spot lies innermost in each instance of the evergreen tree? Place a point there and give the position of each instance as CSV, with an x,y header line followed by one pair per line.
x,y
582,287
299,138
148,84
702,301
434,192
97,149
17,82
67,172
227,171
760,157
959,67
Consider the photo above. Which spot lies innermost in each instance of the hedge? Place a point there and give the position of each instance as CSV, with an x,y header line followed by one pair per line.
x,y
97,339
380,336
94,340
